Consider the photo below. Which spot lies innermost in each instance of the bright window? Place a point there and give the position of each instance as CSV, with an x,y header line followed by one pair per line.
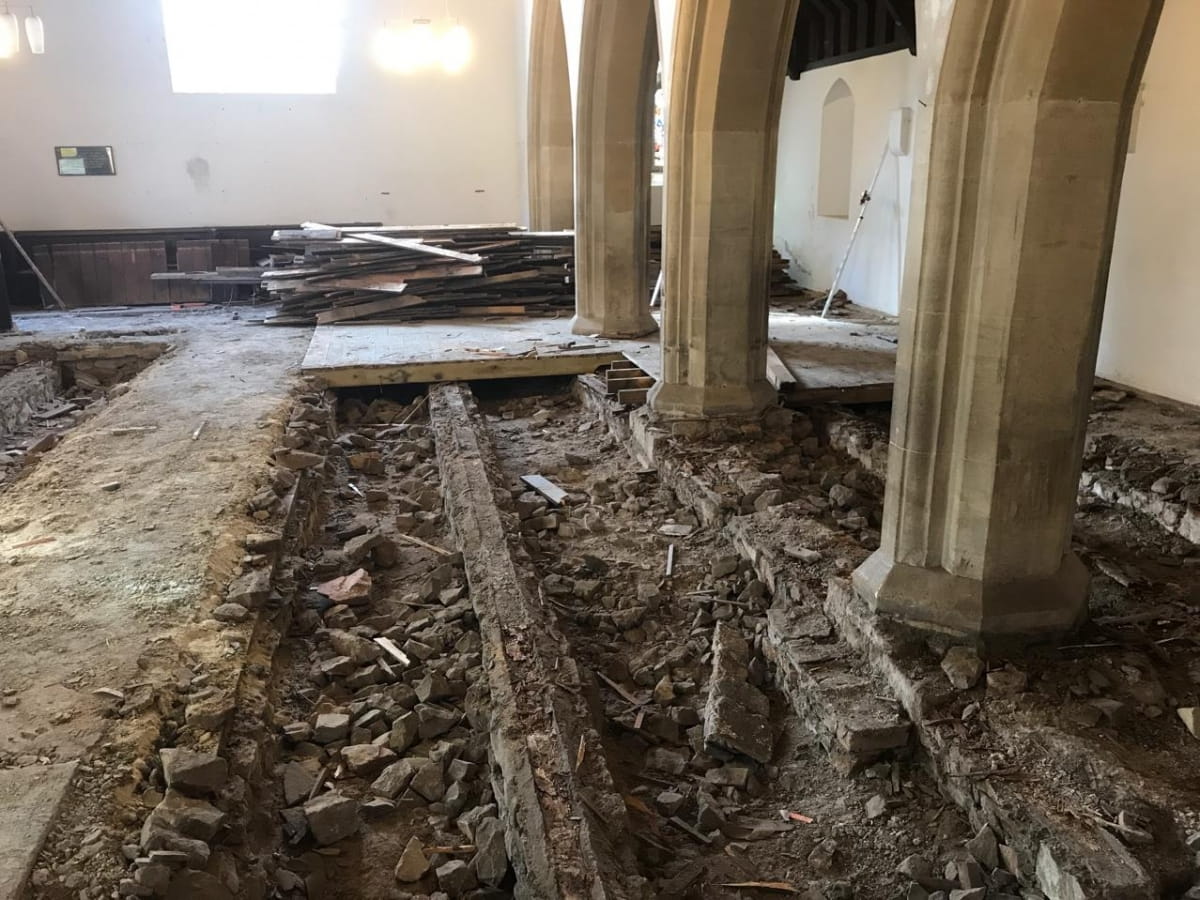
x,y
254,46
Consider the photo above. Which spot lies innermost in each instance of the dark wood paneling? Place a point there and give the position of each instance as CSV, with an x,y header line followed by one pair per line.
x,y
114,275
835,31
191,256
6,322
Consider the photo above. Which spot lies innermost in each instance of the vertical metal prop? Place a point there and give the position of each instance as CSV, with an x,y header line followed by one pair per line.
x,y
862,212
36,271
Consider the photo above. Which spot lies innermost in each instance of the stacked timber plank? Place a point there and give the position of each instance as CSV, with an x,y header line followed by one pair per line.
x,y
782,286
323,275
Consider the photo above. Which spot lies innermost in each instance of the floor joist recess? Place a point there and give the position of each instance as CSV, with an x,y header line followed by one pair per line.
x,y
568,820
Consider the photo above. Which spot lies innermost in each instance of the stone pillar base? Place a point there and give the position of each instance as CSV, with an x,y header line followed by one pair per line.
x,y
685,401
635,328
1026,610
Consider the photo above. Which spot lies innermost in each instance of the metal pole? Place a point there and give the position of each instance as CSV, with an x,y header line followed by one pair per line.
x,y
862,212
656,296
36,271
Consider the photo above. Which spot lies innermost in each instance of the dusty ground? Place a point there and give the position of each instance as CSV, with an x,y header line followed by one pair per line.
x,y
616,518
98,587
126,566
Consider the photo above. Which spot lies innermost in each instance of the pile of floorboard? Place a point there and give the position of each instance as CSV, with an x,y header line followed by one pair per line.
x,y
782,286
319,274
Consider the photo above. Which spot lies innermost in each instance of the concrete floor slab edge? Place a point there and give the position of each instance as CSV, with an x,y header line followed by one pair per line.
x,y
569,842
28,809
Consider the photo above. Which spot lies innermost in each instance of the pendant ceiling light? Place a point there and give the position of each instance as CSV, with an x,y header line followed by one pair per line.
x,y
35,33
424,45
10,35
456,50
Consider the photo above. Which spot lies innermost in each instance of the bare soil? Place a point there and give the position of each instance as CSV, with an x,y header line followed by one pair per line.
x,y
614,516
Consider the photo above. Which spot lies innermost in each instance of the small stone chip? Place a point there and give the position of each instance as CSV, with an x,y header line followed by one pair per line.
x,y
413,863
456,878
193,772
962,667
331,817
491,857
1191,719
331,727
985,848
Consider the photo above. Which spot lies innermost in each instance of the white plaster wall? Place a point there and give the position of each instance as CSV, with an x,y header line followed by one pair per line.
x,y
429,148
813,243
1151,326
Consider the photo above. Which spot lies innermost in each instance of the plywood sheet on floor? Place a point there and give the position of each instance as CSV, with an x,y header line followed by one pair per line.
x,y
838,360
457,350
831,359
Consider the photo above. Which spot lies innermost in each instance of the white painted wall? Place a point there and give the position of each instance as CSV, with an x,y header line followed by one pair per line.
x,y
814,243
1151,324
416,149
1151,331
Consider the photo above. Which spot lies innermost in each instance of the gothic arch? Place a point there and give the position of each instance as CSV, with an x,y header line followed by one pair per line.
x,y
551,152
1003,295
618,60
837,151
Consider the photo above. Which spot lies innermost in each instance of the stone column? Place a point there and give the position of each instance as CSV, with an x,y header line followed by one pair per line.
x,y
551,151
1003,294
726,86
613,155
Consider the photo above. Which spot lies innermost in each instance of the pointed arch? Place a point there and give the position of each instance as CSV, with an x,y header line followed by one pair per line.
x,y
614,148
1003,295
837,152
551,139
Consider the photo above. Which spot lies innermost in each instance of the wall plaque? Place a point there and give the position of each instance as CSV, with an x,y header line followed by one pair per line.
x,y
85,160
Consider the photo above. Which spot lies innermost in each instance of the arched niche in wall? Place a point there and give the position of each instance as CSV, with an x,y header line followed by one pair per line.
x,y
551,132
837,152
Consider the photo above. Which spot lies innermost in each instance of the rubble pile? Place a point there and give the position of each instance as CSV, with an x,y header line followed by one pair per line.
x,y
1121,469
674,624
389,694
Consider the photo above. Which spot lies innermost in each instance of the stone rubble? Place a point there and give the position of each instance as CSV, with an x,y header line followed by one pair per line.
x,y
387,737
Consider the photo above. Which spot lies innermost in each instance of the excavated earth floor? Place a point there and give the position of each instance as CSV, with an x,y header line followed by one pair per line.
x,y
115,540
245,654
603,561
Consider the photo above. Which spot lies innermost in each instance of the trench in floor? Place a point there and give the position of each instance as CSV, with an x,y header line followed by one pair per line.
x,y
403,739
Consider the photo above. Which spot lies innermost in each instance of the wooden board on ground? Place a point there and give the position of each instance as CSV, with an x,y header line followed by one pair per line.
x,y
837,360
778,374
831,360
454,350
369,308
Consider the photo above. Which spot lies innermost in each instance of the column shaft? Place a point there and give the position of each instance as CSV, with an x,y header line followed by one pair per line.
x,y
726,89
